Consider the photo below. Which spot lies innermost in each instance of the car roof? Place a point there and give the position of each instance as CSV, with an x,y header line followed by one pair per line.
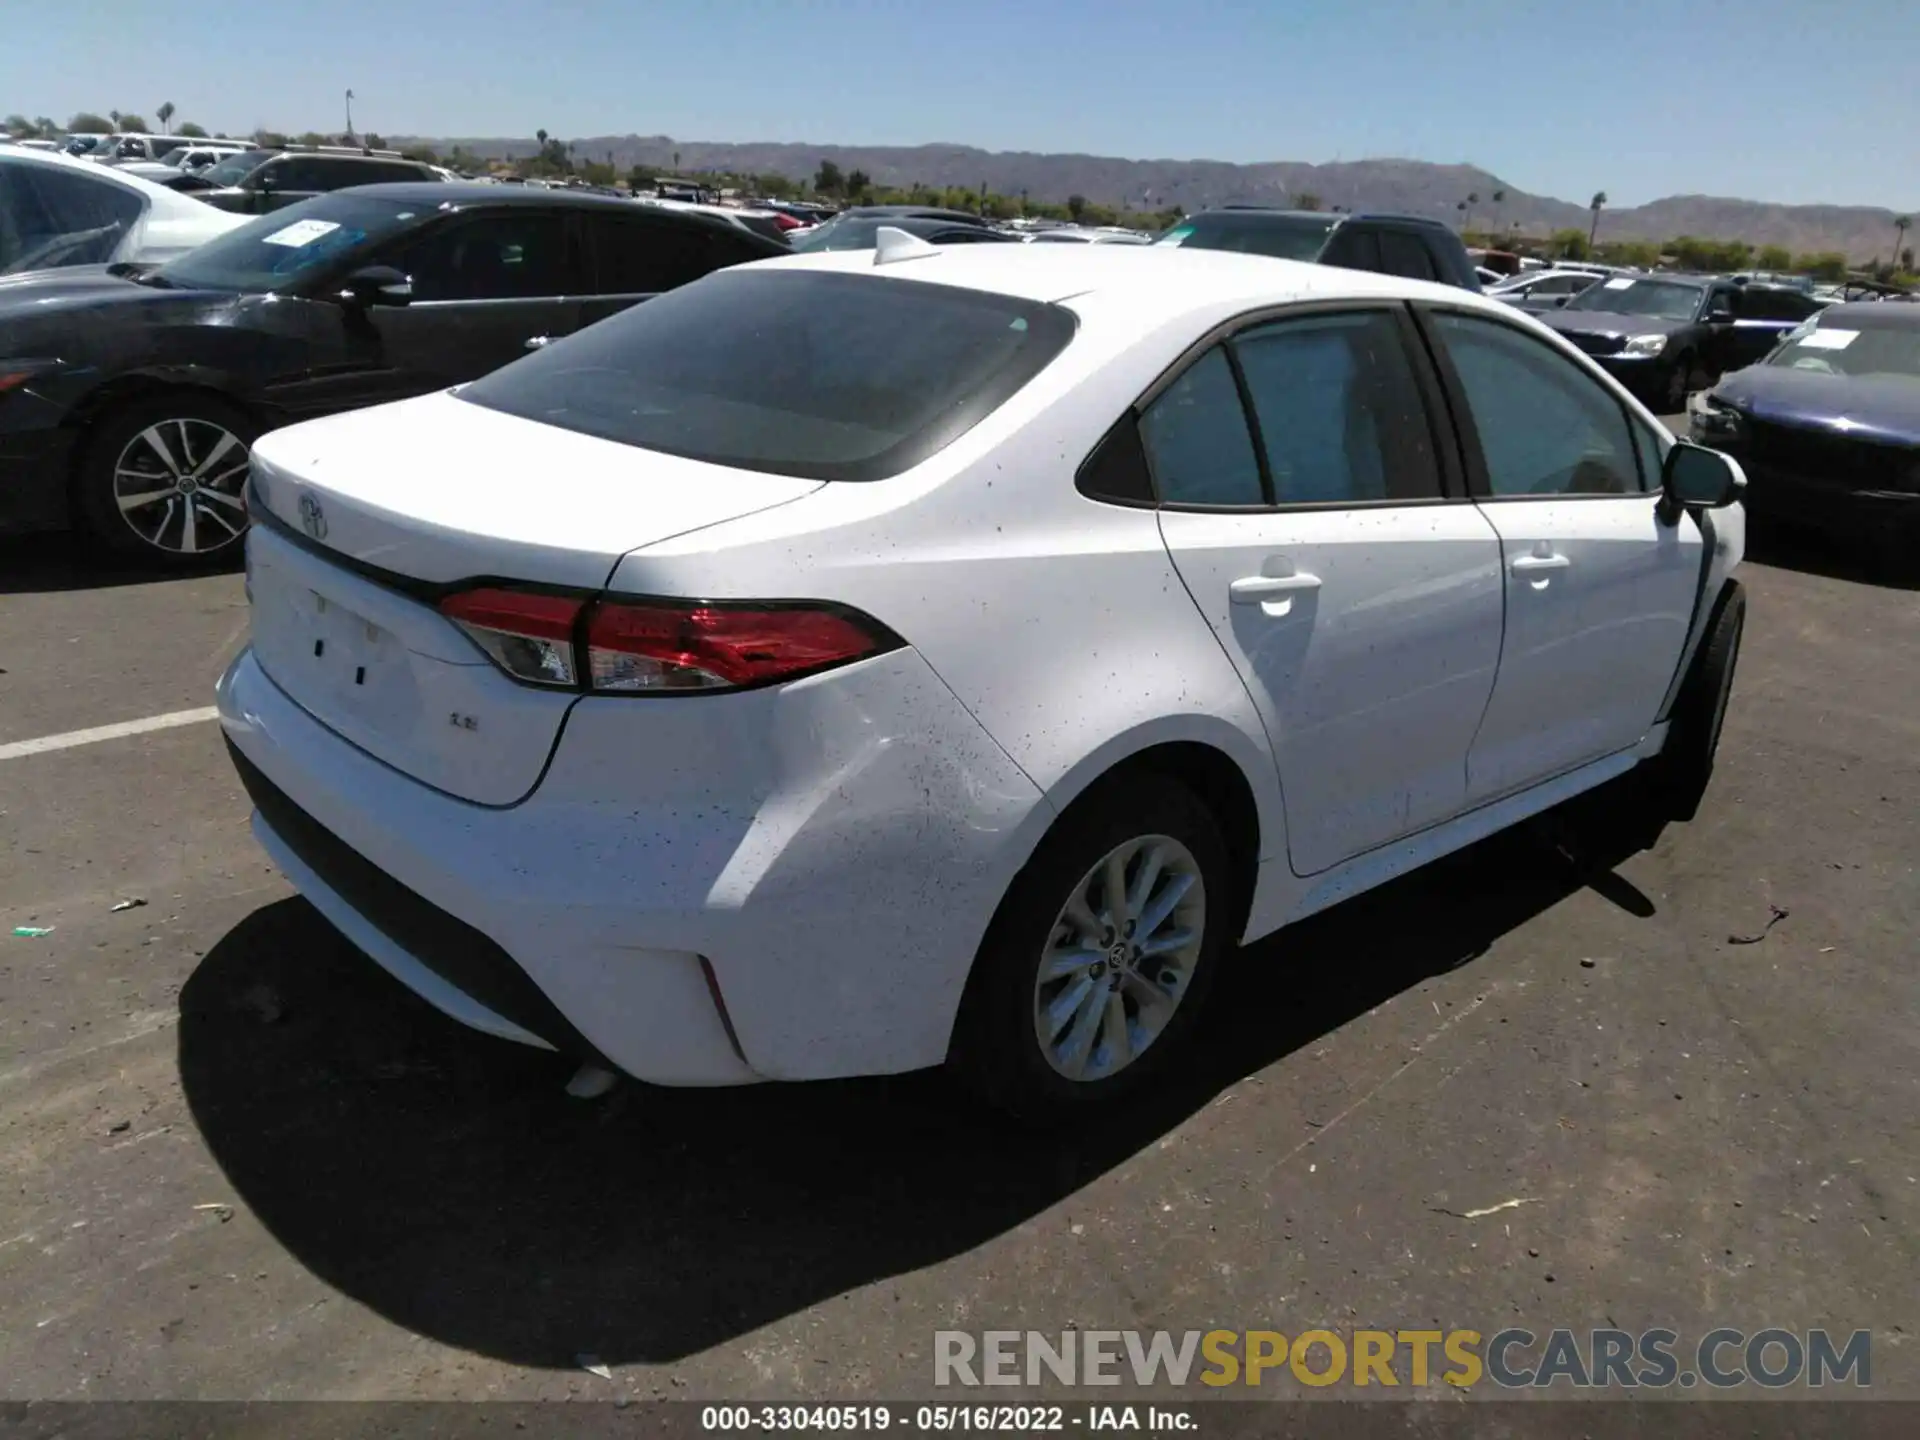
x,y
1148,284
1869,315
171,201
474,192
1271,212
924,212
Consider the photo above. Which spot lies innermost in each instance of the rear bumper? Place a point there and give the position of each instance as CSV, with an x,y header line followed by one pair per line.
x,y
837,911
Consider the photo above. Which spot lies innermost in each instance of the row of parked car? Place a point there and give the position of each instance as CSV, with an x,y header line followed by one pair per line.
x,y
792,596
181,321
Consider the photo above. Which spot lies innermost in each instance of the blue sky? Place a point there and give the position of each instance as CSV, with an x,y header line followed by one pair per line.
x,y
1788,100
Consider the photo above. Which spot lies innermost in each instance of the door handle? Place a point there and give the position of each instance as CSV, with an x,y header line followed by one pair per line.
x,y
1533,564
1252,589
539,342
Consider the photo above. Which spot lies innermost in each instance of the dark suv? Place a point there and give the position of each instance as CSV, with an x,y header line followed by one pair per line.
x,y
258,181
1665,336
1390,244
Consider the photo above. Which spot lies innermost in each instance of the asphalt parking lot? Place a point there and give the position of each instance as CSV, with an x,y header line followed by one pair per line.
x,y
1538,1085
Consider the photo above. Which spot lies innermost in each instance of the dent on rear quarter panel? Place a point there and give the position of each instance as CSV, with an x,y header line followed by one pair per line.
x,y
834,847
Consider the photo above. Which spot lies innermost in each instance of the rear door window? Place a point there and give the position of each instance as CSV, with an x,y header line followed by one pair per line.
x,y
1198,445
825,376
1339,411
1354,249
514,255
1404,254
649,254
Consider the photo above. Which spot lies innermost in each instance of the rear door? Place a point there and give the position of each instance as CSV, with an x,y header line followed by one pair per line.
x,y
1599,591
1303,502
634,256
487,287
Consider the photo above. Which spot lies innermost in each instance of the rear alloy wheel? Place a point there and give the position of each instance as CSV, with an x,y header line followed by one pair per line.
x,y
1121,958
164,480
1096,968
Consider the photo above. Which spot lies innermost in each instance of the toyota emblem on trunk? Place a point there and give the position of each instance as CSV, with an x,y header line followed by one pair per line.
x,y
312,518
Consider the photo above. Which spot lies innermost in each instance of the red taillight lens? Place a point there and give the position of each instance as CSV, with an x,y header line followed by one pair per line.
x,y
663,647
528,635
787,222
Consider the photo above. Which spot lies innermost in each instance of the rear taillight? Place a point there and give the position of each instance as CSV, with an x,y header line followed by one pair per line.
x,y
642,647
647,647
527,634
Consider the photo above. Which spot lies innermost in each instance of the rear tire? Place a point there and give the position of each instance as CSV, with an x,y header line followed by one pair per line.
x,y
1119,1000
1685,765
162,479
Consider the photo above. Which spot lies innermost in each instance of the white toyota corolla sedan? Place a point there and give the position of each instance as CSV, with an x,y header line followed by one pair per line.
x,y
872,660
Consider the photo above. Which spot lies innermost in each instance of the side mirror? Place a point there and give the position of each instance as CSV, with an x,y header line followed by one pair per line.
x,y
1696,478
377,285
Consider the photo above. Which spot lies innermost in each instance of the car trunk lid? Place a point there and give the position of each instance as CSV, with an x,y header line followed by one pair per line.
x,y
372,519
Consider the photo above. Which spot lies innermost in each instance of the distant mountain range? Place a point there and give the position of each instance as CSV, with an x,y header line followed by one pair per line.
x,y
1860,232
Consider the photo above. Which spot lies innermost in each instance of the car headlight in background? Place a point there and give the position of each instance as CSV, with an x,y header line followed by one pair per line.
x,y
1645,345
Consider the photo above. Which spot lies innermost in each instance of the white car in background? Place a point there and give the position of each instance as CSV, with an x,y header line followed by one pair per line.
x,y
948,654
56,211
1544,289
183,160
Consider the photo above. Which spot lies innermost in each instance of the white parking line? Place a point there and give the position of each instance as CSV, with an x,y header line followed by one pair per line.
x,y
18,748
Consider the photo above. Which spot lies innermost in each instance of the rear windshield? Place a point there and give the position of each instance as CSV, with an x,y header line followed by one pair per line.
x,y
825,376
1285,237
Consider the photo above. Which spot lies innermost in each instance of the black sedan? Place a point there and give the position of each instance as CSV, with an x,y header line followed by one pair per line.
x,y
1828,426
859,229
1665,337
129,397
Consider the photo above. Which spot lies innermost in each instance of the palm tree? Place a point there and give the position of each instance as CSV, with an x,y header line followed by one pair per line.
x,y
114,116
1901,224
1597,204
1473,199
165,112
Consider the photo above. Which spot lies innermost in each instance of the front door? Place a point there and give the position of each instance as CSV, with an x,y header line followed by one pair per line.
x,y
487,288
1600,591
1359,603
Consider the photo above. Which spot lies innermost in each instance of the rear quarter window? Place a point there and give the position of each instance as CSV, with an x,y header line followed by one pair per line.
x,y
823,376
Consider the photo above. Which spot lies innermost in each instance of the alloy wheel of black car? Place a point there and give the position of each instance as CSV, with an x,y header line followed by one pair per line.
x,y
164,480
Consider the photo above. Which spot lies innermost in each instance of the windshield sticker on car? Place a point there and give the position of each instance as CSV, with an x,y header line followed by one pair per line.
x,y
301,232
1828,339
1623,282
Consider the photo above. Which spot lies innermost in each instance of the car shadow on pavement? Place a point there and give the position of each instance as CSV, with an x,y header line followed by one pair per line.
x,y
45,564
443,1179
1836,557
